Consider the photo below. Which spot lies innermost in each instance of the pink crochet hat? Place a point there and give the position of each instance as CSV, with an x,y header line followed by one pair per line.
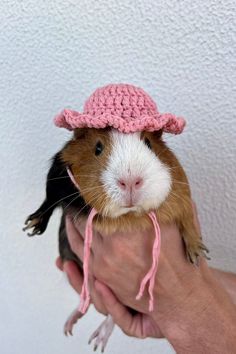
x,y
124,107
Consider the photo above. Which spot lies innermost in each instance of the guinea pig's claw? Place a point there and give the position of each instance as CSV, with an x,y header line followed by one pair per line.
x,y
72,319
102,334
32,223
28,219
34,232
205,255
196,251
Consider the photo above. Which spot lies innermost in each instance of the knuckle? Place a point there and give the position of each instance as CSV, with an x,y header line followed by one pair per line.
x,y
100,308
127,332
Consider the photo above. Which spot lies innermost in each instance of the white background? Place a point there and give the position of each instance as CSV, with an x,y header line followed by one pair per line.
x,y
54,54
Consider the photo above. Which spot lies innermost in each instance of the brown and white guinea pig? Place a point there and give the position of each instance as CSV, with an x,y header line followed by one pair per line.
x,y
123,176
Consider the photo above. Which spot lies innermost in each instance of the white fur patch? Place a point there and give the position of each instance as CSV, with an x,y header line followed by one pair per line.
x,y
130,157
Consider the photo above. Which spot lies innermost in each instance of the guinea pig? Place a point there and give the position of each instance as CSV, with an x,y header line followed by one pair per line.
x,y
123,176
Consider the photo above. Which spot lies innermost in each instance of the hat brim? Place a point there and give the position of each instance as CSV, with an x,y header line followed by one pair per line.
x,y
71,120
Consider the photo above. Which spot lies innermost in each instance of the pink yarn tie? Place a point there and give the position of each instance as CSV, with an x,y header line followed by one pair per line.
x,y
72,177
150,276
85,296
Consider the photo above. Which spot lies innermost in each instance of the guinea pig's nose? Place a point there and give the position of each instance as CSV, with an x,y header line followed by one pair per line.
x,y
130,183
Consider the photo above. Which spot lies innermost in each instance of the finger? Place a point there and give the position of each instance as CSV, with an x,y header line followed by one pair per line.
x,y
59,263
96,298
119,312
74,275
75,239
80,226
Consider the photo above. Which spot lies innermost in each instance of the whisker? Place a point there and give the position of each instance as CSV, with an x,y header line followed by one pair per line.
x,y
87,204
179,182
100,162
177,196
88,189
173,167
79,175
52,179
71,201
58,201
75,218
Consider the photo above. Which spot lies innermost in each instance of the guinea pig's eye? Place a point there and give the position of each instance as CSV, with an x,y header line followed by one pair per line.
x,y
99,148
147,142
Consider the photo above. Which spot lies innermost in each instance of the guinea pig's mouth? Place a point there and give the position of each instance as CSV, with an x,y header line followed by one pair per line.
x,y
130,205
125,209
130,208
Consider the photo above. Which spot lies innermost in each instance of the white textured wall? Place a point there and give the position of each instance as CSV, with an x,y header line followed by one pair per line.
x,y
54,54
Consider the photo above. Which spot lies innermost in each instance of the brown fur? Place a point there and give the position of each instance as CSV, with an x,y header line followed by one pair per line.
x,y
79,154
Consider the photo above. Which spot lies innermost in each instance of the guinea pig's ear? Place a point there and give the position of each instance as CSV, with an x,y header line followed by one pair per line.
x,y
158,134
80,133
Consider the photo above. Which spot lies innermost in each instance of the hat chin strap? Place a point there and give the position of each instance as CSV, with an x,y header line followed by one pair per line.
x,y
72,177
149,277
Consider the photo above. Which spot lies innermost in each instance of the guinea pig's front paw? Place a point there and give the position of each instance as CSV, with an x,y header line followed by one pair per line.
x,y
196,249
37,223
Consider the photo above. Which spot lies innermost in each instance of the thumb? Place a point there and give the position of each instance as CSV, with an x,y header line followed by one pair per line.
x,y
74,275
118,311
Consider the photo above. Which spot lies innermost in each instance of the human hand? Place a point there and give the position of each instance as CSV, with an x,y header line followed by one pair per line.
x,y
143,323
136,325
192,310
188,298
139,246
74,273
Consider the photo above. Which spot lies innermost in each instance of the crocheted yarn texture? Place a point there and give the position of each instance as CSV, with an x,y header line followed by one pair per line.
x,y
124,107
